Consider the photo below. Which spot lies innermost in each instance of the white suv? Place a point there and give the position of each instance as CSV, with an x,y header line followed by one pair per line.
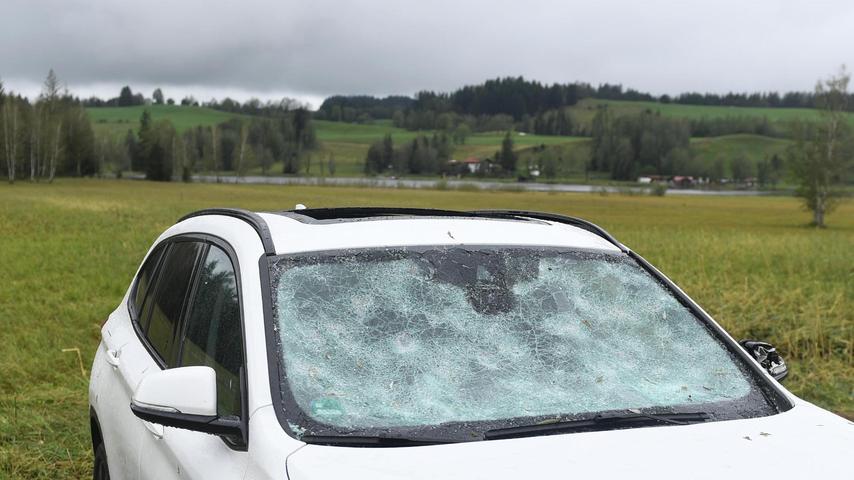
x,y
382,343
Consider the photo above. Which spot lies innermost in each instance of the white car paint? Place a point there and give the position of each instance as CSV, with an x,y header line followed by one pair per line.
x,y
300,237
803,442
190,390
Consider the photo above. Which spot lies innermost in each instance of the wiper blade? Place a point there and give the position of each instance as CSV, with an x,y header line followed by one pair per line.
x,y
599,422
373,441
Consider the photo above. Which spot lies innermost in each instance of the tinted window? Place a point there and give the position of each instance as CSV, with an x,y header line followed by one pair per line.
x,y
173,282
143,280
213,335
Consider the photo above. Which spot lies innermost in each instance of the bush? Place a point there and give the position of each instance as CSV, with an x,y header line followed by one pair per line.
x,y
658,190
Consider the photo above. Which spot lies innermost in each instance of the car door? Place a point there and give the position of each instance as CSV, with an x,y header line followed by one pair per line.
x,y
158,325
209,333
119,364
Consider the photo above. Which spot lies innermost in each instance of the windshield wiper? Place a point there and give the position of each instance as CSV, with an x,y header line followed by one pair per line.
x,y
373,441
599,422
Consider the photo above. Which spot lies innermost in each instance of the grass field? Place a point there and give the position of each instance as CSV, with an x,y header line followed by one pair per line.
x,y
68,251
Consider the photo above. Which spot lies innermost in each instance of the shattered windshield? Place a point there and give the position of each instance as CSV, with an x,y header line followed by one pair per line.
x,y
410,338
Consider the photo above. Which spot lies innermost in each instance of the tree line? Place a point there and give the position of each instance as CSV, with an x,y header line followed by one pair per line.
x,y
529,106
513,96
518,97
648,143
126,98
421,155
253,106
431,155
756,99
362,108
236,146
49,136
53,136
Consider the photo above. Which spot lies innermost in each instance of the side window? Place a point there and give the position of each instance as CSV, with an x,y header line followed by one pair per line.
x,y
214,336
143,279
167,303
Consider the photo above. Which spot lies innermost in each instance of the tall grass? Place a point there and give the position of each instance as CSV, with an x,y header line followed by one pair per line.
x,y
68,251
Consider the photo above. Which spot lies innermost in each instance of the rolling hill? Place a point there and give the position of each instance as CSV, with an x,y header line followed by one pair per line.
x,y
116,121
584,111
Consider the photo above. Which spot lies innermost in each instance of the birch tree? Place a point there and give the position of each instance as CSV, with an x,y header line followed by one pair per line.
x,y
214,140
244,135
35,139
820,155
47,131
10,131
57,148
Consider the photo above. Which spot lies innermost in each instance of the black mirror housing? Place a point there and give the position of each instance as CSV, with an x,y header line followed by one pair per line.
x,y
767,356
215,425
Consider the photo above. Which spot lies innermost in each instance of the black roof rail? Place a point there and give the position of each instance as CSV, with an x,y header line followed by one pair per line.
x,y
553,217
344,214
252,218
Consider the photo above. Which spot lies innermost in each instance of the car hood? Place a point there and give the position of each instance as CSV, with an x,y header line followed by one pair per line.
x,y
804,442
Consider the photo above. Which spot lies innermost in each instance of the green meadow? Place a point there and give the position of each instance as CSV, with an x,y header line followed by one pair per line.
x,y
68,251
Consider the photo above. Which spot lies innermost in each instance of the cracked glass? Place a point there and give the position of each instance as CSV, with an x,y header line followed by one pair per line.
x,y
429,337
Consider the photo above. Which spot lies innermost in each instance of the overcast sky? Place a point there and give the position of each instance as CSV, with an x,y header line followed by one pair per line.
x,y
313,48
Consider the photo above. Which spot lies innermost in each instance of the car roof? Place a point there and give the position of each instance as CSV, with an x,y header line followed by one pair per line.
x,y
303,230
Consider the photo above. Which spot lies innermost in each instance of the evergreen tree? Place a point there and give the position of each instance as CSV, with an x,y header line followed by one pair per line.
x,y
160,158
126,98
331,165
507,159
132,148
740,168
78,144
374,159
146,141
603,144
387,153
763,172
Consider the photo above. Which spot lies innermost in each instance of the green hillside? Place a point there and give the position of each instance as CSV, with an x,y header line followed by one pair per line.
x,y
117,120
348,143
370,133
584,111
752,147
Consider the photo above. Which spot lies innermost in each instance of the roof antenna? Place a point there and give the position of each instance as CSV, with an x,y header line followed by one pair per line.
x,y
299,206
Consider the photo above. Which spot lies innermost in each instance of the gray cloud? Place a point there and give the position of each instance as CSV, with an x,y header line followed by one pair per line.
x,y
314,48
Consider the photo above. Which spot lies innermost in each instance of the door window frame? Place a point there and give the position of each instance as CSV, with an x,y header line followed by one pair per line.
x,y
165,245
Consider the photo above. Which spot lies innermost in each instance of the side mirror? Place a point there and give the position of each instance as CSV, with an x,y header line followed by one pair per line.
x,y
183,397
767,356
